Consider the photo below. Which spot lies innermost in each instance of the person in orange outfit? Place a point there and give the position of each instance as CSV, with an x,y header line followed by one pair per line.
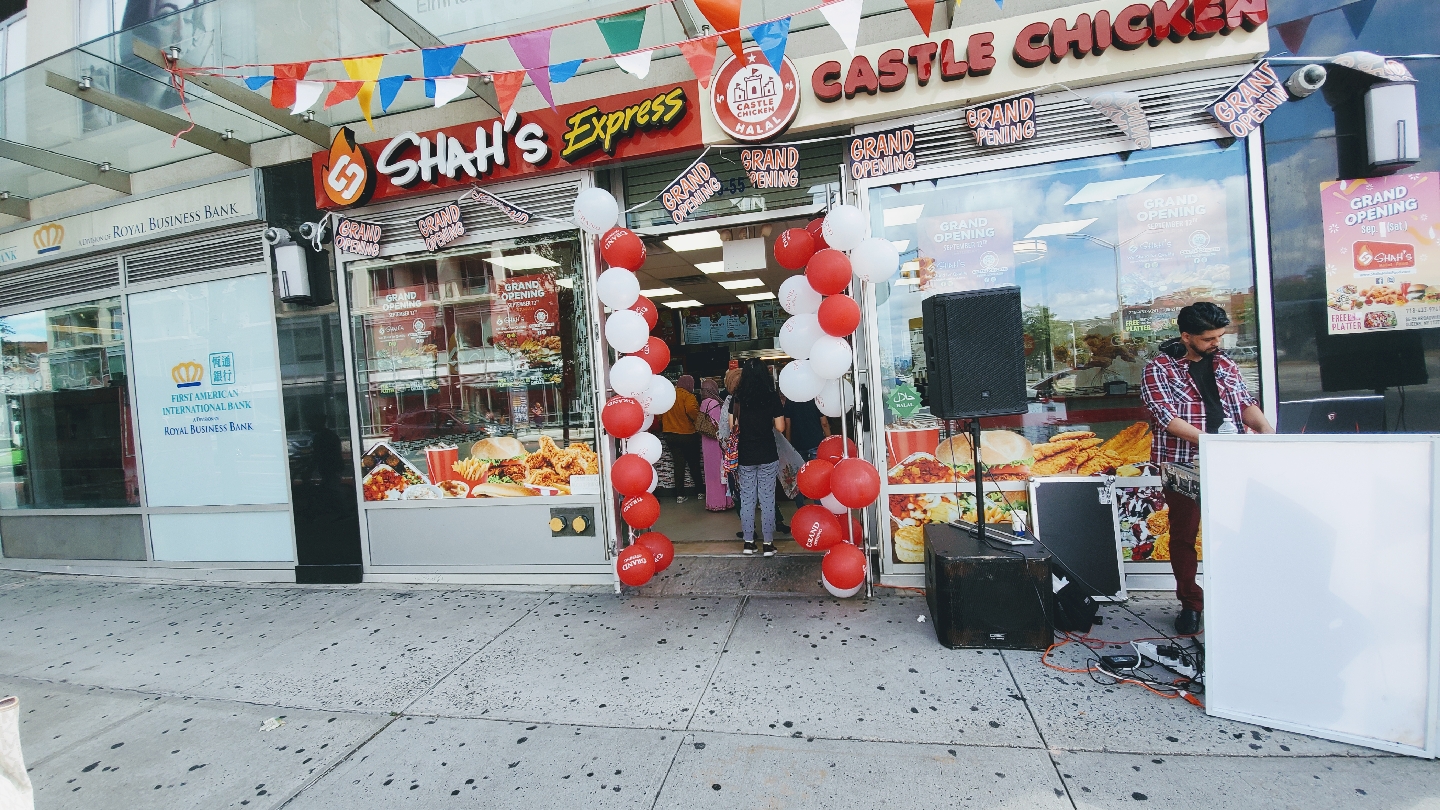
x,y
678,427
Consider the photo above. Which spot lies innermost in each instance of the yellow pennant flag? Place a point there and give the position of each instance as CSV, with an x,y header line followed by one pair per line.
x,y
367,70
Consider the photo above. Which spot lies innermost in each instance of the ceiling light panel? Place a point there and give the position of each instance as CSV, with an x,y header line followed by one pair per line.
x,y
742,283
686,242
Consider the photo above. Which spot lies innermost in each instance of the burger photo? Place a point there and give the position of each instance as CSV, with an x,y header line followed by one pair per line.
x,y
506,457
1005,455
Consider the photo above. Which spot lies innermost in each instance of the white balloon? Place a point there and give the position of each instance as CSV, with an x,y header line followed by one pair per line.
x,y
798,383
659,396
618,288
835,398
646,446
596,210
797,297
830,357
649,420
875,260
844,227
843,593
833,506
654,479
798,334
630,376
626,331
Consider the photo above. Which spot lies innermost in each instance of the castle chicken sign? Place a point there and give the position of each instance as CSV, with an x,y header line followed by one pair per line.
x,y
643,123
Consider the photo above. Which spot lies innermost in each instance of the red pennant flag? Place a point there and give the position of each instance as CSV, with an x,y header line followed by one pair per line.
x,y
342,91
700,53
724,15
282,90
1293,33
506,86
924,11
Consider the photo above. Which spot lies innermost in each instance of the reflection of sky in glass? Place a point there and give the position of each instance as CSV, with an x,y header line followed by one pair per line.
x,y
28,327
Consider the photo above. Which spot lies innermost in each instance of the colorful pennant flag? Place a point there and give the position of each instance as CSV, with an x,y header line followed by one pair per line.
x,y
700,54
724,15
507,85
1293,33
924,11
636,64
343,91
1357,14
438,62
282,92
844,17
565,71
389,88
306,94
1124,111
533,51
365,70
771,38
449,88
622,31
257,82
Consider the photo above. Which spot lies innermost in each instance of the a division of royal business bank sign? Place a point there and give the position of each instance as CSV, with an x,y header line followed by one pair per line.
x,y
226,201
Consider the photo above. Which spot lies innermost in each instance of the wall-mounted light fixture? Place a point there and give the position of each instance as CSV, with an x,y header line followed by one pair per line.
x,y
291,269
1392,124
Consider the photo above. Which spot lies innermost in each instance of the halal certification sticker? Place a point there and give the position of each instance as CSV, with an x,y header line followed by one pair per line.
x,y
751,101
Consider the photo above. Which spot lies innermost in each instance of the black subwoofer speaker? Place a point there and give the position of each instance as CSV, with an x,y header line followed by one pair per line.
x,y
985,597
975,353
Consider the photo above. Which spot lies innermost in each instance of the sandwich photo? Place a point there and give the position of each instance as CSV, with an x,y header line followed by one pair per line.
x,y
1004,454
506,457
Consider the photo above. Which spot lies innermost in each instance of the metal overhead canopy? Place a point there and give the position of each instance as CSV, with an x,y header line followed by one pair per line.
x,y
101,174
14,206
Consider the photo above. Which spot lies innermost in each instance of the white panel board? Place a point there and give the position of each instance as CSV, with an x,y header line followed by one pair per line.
x,y
1319,587
223,537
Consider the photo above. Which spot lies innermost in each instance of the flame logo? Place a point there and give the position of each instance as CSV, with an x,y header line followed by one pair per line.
x,y
349,176
47,238
187,374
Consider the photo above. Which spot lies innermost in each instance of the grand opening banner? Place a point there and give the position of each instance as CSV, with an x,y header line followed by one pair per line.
x,y
1382,264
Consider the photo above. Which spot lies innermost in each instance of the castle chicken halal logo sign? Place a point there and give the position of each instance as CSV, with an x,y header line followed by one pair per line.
x,y
752,102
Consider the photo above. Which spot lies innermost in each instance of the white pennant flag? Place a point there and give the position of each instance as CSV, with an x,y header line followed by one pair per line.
x,y
450,88
1123,109
844,17
306,94
636,64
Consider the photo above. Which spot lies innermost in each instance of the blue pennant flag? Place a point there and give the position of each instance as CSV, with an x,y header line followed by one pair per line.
x,y
439,62
771,38
565,70
389,88
257,82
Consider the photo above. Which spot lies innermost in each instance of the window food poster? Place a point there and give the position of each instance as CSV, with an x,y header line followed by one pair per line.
x,y
1382,266
967,251
207,392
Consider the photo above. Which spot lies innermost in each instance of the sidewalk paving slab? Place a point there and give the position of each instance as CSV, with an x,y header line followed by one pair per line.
x,y
859,670
639,662
55,717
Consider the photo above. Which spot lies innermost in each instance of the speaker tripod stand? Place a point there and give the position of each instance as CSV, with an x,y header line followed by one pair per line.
x,y
978,528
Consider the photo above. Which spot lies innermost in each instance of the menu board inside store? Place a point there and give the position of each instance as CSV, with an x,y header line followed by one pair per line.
x,y
717,324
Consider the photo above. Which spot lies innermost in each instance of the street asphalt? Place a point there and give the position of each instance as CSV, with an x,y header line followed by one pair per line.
x,y
141,695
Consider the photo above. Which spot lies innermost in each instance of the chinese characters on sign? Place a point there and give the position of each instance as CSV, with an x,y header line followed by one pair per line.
x,y
880,153
1379,272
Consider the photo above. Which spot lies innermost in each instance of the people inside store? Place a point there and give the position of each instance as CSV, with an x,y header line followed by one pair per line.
x,y
756,413
805,427
1190,388
717,494
678,428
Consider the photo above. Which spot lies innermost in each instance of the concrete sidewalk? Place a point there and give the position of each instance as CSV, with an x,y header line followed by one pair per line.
x,y
139,695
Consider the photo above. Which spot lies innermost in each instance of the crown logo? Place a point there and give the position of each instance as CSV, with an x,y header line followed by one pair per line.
x,y
187,374
47,238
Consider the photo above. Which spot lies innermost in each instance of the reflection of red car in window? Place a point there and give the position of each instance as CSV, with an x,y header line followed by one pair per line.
x,y
431,423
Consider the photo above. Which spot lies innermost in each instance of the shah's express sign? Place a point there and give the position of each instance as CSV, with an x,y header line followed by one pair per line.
x,y
642,123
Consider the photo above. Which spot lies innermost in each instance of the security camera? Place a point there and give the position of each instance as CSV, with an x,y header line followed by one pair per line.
x,y
1305,81
317,233
277,236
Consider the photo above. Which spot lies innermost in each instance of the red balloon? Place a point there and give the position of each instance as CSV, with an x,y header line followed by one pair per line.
x,y
814,478
813,527
857,536
843,566
817,235
647,309
828,272
636,565
621,247
830,448
839,315
622,417
793,248
656,353
662,551
640,511
631,475
855,483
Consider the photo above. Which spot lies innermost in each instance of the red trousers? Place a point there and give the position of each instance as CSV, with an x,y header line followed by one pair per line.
x,y
1184,526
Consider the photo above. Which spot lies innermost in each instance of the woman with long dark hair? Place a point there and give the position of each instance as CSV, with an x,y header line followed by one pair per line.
x,y
757,414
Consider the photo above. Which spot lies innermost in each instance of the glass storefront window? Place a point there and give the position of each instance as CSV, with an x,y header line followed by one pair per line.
x,y
66,437
473,371
1105,250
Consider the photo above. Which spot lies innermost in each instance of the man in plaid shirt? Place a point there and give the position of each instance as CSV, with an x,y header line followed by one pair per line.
x,y
1189,389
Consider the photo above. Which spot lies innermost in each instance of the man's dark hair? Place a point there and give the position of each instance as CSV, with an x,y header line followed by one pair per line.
x,y
1201,317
